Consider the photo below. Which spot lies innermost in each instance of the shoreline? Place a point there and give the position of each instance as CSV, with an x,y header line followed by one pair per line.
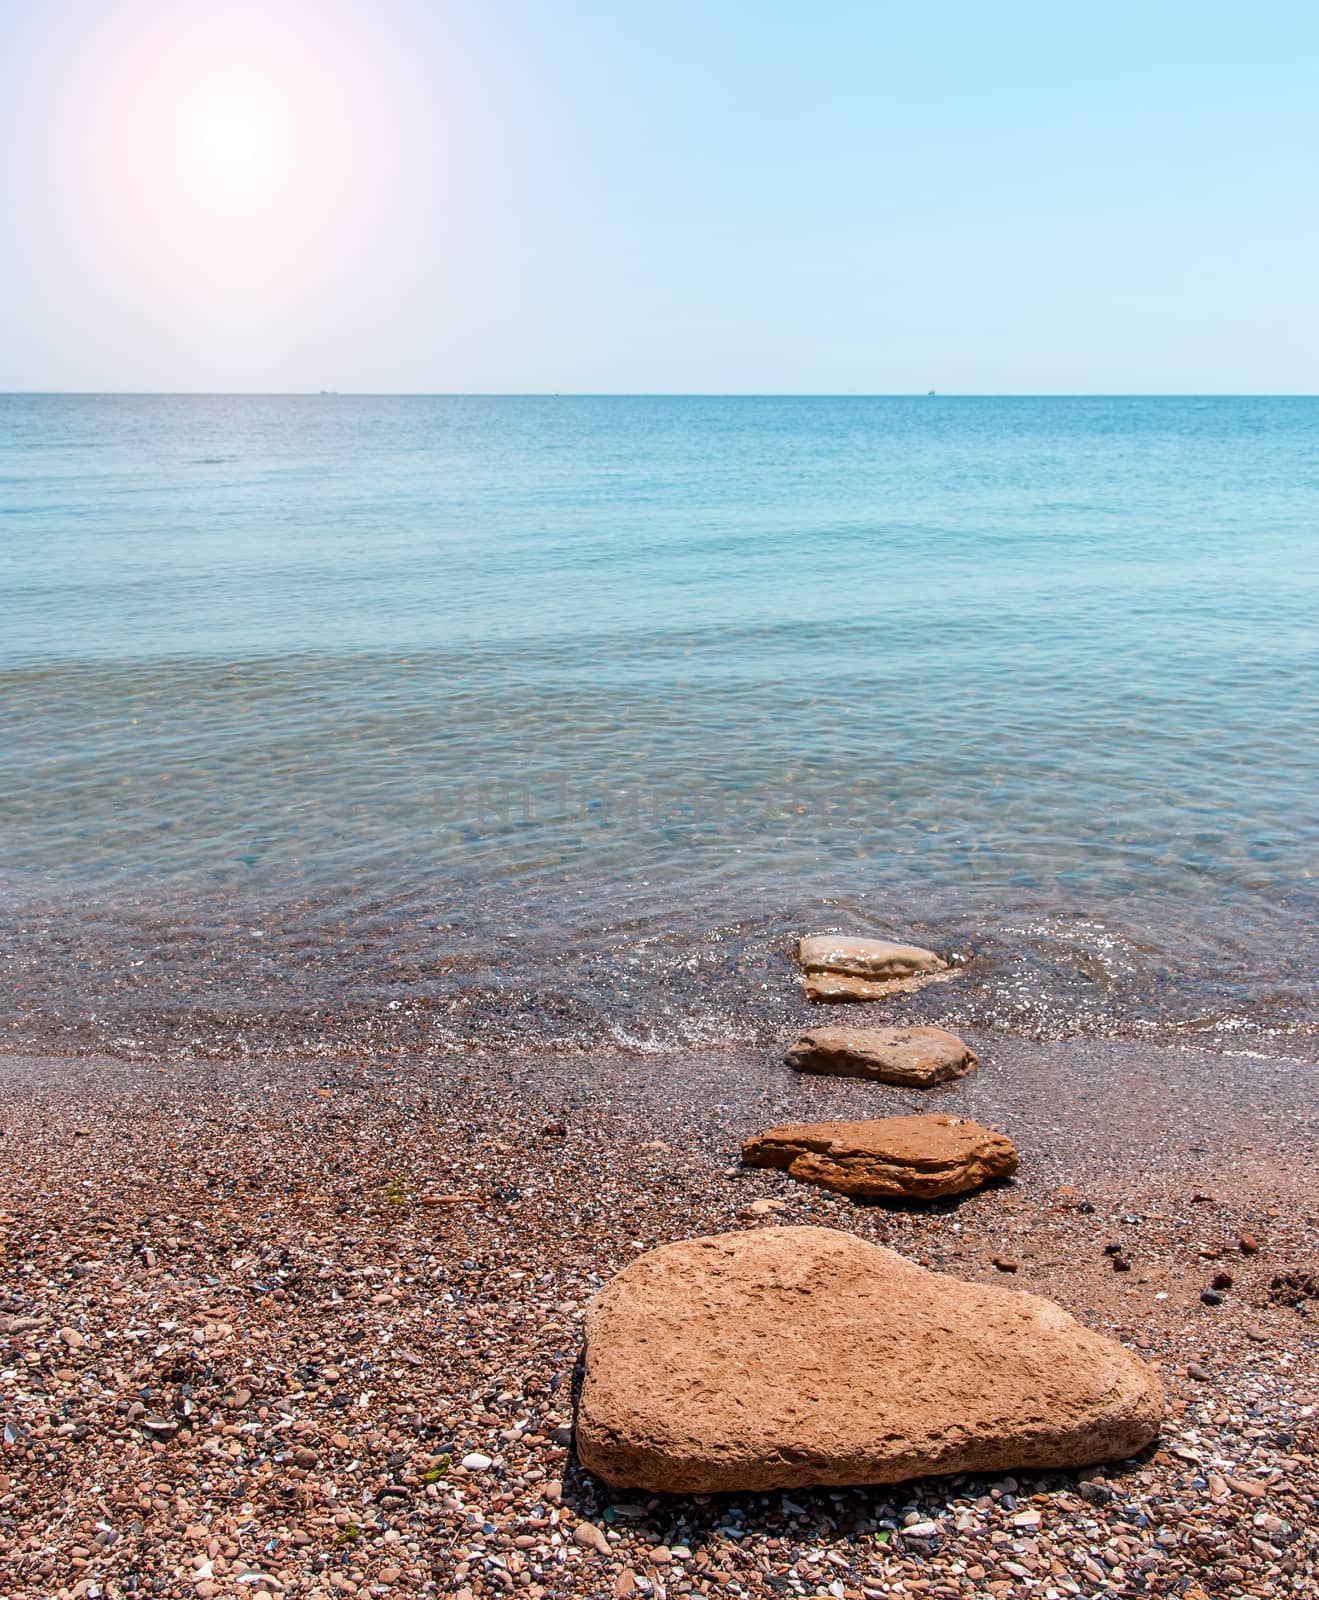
x,y
324,1282
598,968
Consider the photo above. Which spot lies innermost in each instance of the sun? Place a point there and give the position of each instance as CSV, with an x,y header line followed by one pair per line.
x,y
235,138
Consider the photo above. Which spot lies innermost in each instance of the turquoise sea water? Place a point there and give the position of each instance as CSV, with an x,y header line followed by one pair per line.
x,y
565,713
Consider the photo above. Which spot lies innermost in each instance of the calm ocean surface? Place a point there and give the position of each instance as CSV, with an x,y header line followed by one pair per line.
x,y
501,718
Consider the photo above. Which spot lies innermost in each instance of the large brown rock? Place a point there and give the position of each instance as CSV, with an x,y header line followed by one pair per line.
x,y
918,1158
784,1357
837,967
893,1055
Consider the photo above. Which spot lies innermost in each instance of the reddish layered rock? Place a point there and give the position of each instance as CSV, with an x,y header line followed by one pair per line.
x,y
918,1158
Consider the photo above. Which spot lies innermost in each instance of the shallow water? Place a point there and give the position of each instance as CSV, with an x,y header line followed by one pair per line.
x,y
557,718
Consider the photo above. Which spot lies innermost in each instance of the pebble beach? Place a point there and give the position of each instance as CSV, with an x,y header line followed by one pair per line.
x,y
310,1326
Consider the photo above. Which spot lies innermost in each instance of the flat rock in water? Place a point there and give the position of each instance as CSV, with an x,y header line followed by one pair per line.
x,y
916,1158
841,968
779,1358
893,1055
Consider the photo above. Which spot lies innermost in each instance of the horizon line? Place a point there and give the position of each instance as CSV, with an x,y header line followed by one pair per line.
x,y
656,394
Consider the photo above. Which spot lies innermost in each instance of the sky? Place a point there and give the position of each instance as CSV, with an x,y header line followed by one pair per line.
x,y
691,196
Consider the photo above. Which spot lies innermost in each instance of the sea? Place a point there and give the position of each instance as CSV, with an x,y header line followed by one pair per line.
x,y
354,724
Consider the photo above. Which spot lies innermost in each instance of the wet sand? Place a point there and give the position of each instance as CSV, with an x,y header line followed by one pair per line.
x,y
257,1312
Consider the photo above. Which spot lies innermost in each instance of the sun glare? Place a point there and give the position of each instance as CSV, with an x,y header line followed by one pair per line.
x,y
240,148
230,151
235,138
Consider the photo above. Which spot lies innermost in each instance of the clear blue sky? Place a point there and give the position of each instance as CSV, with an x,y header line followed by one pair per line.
x,y
680,195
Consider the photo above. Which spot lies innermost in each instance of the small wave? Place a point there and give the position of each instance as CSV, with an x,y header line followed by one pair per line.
x,y
573,965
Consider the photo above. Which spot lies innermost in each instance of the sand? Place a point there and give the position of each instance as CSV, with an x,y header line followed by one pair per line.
x,y
256,1314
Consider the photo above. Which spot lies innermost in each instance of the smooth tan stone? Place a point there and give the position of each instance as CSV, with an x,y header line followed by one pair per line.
x,y
778,1358
892,1055
919,1158
838,968
866,958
